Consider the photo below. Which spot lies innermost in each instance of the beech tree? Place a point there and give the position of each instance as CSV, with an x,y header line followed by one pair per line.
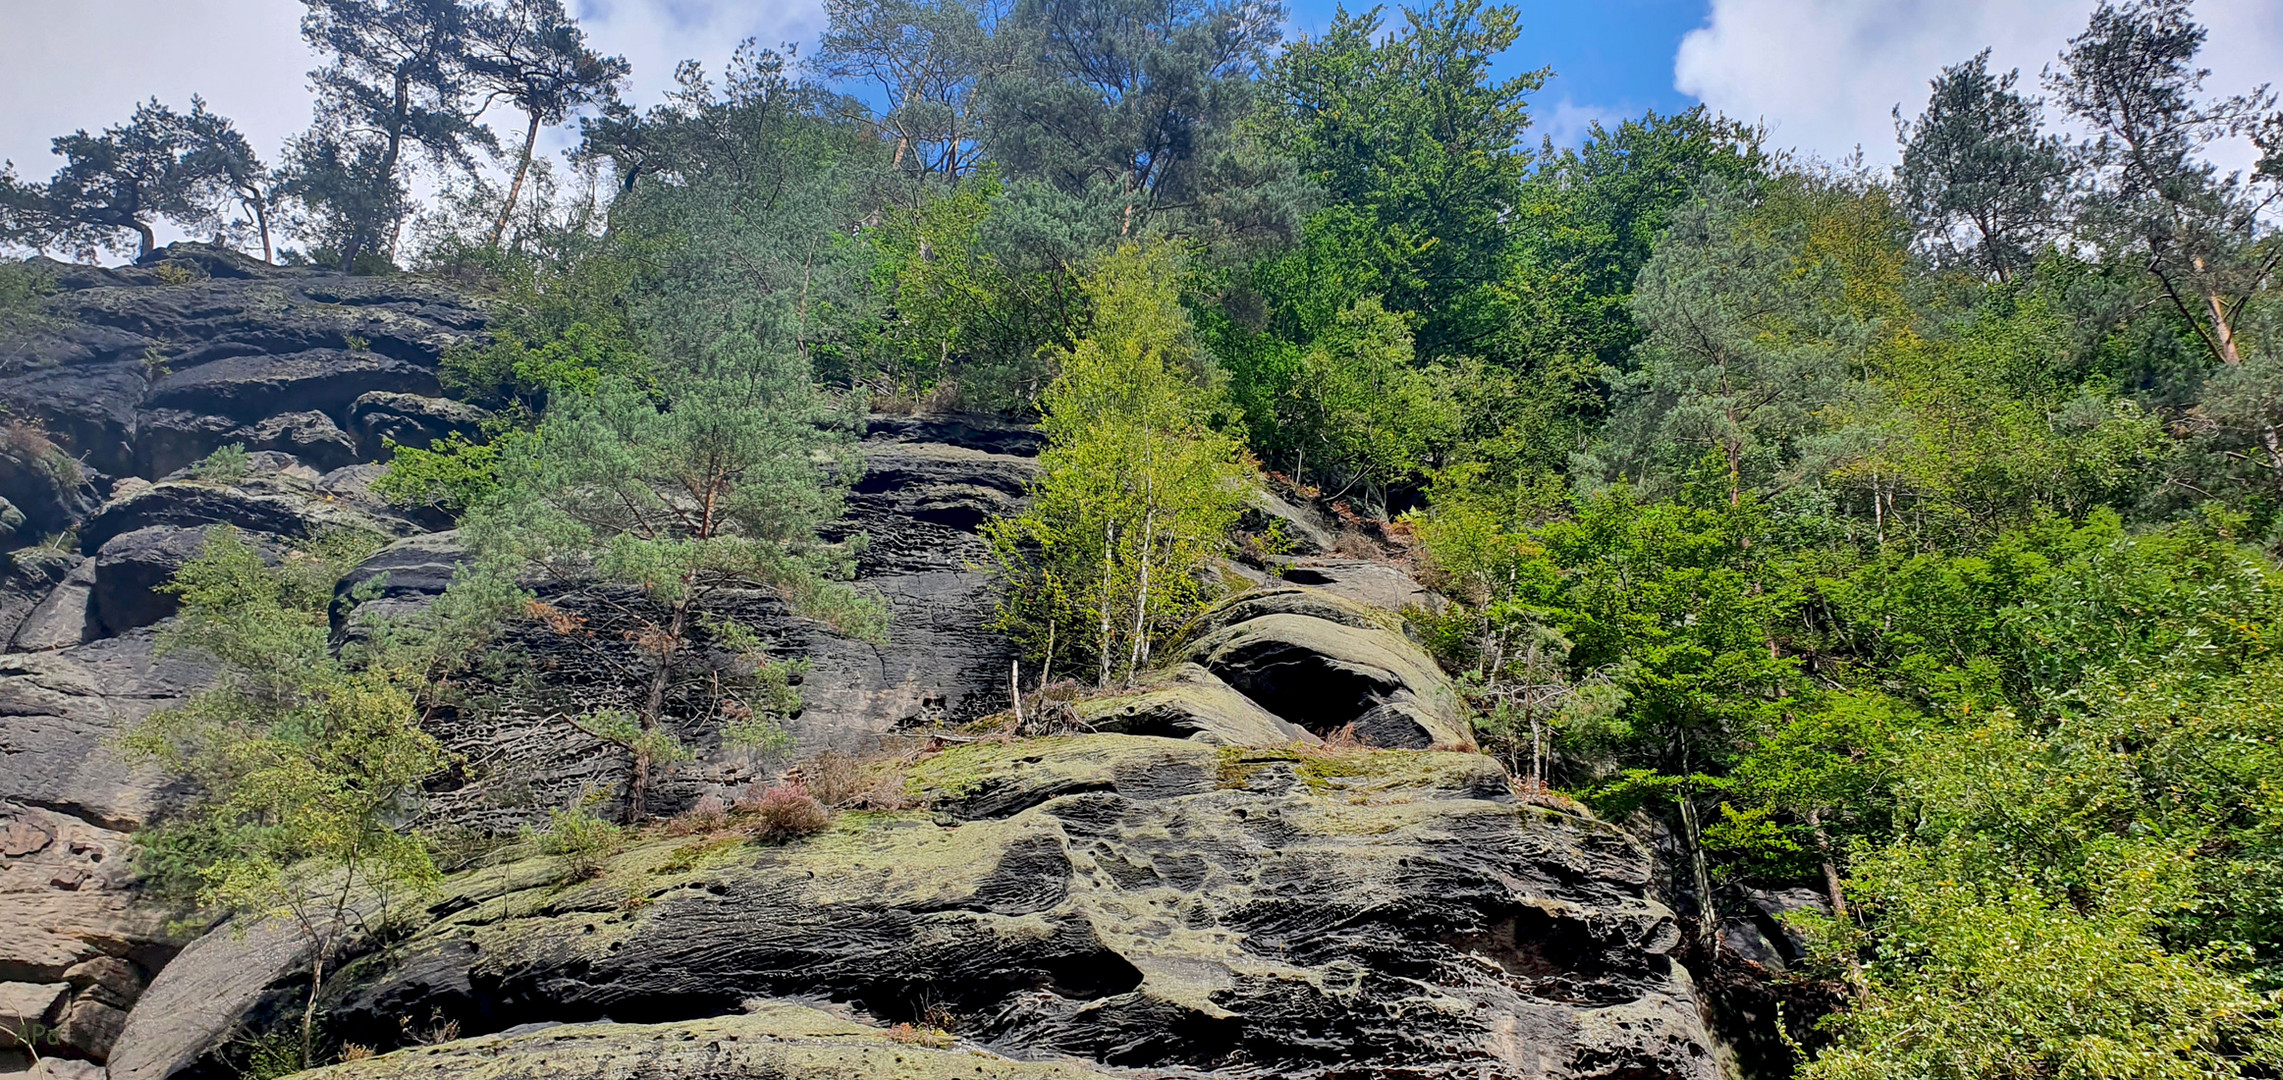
x,y
532,54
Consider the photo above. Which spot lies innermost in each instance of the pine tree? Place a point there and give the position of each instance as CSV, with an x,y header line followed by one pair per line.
x,y
397,84
532,54
1978,158
122,181
653,500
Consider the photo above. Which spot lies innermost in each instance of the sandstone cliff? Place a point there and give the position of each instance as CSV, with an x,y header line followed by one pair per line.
x,y
1197,887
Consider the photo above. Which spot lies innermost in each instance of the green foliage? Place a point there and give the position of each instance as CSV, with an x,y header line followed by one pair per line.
x,y
1135,491
578,839
717,476
453,472
1361,411
303,766
22,289
226,465
1984,978
1421,155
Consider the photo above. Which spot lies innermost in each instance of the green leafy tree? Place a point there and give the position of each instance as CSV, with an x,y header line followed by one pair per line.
x,y
306,766
1978,158
1420,155
1592,215
1136,490
1365,415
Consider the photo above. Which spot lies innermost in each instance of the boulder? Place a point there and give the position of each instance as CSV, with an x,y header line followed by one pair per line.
x,y
1144,903
60,713
1325,664
190,1008
78,932
28,577
277,495
65,617
1192,704
1371,584
169,439
397,580
380,417
196,342
770,1041
48,491
131,567
1305,532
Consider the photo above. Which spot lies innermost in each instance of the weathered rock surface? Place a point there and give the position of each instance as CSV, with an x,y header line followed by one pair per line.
x,y
773,1041
235,344
919,504
1325,664
382,417
78,946
1151,904
1192,703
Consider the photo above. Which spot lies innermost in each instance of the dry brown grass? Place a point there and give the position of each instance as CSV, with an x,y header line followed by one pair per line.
x,y
870,781
914,1035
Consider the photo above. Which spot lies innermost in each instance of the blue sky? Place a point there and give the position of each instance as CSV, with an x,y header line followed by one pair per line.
x,y
1610,58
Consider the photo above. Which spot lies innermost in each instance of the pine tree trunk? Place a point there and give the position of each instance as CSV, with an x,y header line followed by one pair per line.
x,y
523,166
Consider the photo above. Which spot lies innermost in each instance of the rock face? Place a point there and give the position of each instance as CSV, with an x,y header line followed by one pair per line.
x,y
772,1041
137,376
1149,904
1326,664
1196,887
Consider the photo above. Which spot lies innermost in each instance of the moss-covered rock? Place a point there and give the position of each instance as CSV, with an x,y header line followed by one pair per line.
x,y
1324,664
1191,703
1136,902
774,1041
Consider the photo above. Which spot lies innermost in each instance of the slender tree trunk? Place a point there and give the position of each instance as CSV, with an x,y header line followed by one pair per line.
x,y
655,704
262,222
148,239
1830,869
1708,920
1109,569
522,166
2223,333
362,233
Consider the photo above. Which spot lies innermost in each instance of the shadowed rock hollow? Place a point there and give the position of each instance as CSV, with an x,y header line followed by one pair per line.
x,y
1198,889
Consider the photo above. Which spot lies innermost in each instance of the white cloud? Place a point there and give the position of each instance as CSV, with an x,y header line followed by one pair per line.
x,y
1824,74
1567,122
